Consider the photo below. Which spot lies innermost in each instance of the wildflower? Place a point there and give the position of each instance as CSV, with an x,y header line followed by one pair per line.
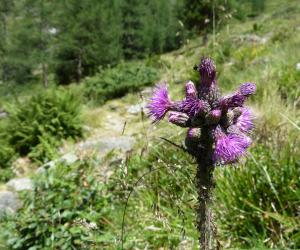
x,y
225,120
229,147
218,129
160,103
245,121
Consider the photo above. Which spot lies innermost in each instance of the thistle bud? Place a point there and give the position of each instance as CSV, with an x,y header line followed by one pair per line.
x,y
190,89
247,89
194,134
214,116
229,118
207,70
179,119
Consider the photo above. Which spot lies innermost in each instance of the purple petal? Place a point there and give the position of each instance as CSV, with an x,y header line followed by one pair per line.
x,y
229,148
159,104
245,121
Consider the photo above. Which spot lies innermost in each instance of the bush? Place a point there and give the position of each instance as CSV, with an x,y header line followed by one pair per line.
x,y
7,154
46,118
116,82
65,211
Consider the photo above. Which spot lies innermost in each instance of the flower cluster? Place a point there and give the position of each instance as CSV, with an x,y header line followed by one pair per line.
x,y
225,119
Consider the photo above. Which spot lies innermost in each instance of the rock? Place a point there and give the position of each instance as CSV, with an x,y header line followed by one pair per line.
x,y
136,109
147,91
298,66
104,145
252,39
3,114
48,165
21,165
20,184
9,202
69,158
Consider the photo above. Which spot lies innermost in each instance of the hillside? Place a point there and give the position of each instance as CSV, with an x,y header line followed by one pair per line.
x,y
122,153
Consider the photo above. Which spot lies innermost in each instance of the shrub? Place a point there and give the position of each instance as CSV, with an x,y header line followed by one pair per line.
x,y
52,114
116,82
7,154
65,211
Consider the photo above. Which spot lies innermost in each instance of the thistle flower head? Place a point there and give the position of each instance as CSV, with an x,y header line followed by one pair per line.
x,y
214,116
229,147
192,106
245,121
247,88
178,118
190,89
207,70
159,104
232,101
223,122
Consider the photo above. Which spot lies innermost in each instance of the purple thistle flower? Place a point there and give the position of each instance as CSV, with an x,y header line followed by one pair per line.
x,y
159,104
229,147
225,118
245,121
247,89
190,89
193,106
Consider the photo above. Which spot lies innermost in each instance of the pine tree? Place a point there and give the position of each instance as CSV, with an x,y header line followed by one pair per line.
x,y
6,8
88,36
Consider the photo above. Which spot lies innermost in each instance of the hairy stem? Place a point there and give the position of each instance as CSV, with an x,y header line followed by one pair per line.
x,y
202,151
205,185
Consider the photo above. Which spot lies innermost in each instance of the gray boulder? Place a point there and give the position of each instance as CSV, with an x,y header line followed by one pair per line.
x,y
9,202
20,184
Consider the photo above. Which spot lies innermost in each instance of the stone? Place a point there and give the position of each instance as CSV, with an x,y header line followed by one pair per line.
x,y
3,114
9,202
20,184
136,109
69,158
106,144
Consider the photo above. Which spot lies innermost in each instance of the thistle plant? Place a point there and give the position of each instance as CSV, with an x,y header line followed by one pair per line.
x,y
218,133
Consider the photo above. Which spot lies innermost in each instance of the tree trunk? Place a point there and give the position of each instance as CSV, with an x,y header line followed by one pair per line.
x,y
45,74
79,66
4,41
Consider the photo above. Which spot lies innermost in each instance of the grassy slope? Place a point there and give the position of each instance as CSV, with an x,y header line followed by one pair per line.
x,y
165,200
